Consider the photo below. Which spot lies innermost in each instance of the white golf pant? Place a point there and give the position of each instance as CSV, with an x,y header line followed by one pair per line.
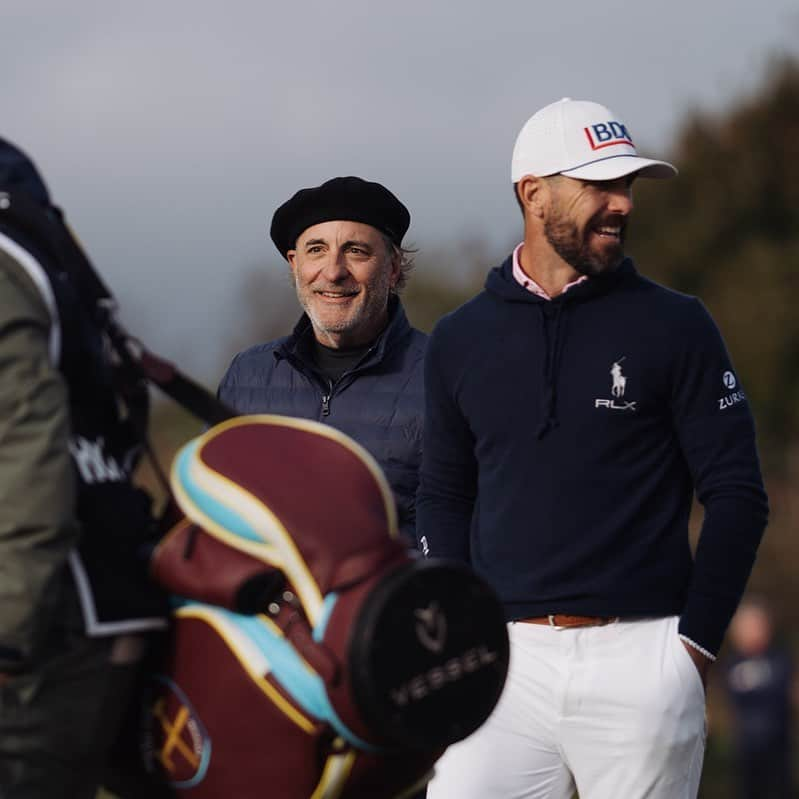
x,y
613,712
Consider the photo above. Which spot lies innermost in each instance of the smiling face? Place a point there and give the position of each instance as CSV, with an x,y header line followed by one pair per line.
x,y
344,272
585,221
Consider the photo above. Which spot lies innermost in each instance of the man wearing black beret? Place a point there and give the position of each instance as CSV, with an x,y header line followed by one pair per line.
x,y
352,361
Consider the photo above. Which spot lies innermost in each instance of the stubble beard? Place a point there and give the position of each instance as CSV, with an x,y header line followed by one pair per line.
x,y
565,238
367,313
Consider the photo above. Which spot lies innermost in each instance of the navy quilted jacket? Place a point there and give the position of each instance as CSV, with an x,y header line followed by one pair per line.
x,y
379,403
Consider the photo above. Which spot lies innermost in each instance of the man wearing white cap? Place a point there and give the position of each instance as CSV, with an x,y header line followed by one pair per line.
x,y
573,408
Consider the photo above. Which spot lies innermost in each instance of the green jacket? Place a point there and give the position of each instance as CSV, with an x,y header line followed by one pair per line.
x,y
37,484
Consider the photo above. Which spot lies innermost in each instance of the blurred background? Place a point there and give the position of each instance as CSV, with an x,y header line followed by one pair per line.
x,y
170,132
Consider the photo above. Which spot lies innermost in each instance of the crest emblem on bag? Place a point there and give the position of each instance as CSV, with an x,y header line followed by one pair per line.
x,y
180,743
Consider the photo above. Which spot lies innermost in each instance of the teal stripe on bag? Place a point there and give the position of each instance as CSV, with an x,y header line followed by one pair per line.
x,y
221,514
305,687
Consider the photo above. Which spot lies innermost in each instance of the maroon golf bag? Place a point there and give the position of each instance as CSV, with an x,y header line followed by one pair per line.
x,y
312,655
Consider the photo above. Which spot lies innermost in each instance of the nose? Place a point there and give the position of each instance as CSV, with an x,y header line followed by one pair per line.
x,y
335,268
620,198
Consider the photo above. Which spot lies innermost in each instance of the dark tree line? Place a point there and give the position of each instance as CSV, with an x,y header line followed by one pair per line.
x,y
728,230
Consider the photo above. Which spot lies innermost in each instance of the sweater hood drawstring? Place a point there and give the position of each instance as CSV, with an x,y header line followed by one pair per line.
x,y
553,347
501,283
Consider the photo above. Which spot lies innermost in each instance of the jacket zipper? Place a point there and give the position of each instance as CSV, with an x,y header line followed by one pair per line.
x,y
326,395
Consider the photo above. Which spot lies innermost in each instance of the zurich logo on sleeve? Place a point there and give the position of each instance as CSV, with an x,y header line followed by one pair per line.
x,y
608,134
734,397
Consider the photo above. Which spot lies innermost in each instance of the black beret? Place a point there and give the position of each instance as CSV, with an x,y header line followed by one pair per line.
x,y
350,198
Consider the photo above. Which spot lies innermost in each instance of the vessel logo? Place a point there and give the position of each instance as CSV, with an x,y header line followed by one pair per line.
x,y
431,627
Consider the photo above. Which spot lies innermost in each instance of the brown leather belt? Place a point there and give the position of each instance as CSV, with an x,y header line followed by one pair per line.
x,y
561,621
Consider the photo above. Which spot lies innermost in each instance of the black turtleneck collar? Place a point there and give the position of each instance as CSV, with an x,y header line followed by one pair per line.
x,y
302,342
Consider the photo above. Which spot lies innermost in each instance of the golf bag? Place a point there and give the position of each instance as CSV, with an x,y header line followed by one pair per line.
x,y
312,655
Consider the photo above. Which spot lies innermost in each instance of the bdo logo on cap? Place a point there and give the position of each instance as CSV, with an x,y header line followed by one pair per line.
x,y
607,134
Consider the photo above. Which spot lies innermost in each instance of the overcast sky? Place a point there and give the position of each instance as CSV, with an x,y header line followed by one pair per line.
x,y
170,131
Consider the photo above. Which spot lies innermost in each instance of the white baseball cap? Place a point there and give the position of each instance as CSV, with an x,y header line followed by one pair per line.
x,y
583,140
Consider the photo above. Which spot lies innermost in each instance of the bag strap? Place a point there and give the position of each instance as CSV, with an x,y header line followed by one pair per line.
x,y
45,226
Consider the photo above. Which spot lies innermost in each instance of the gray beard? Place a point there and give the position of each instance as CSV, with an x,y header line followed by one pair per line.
x,y
367,318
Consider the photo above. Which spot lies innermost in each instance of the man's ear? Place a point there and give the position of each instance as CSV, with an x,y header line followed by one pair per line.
x,y
532,191
396,267
291,257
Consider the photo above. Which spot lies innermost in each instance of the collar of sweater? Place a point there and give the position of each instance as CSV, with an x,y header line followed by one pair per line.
x,y
502,283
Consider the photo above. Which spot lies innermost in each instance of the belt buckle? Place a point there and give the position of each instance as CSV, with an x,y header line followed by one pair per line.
x,y
551,617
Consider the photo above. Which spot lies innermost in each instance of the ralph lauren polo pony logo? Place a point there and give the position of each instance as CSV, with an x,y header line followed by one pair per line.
x,y
618,386
619,380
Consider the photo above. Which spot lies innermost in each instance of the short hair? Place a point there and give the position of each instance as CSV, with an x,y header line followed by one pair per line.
x,y
405,255
518,199
556,176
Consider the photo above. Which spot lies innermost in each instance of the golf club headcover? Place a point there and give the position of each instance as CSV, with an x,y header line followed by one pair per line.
x,y
311,653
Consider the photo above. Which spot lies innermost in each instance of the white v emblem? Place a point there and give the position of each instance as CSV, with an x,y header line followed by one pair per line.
x,y
431,627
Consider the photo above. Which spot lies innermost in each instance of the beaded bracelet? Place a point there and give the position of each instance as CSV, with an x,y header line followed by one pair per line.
x,y
696,646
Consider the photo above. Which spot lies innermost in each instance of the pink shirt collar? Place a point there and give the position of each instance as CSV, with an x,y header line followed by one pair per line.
x,y
523,279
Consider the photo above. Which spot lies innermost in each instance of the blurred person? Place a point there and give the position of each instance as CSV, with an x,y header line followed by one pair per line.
x,y
75,604
572,410
352,361
758,677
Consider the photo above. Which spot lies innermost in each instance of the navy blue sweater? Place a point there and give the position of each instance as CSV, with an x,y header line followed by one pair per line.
x,y
379,403
564,440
